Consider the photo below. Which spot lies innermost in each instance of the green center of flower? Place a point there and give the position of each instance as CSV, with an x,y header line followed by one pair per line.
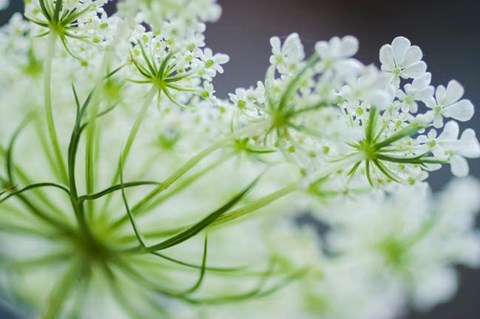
x,y
368,150
280,119
92,250
393,252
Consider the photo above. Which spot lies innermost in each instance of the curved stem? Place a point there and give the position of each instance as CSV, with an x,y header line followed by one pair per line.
x,y
131,137
136,126
169,181
48,109
186,182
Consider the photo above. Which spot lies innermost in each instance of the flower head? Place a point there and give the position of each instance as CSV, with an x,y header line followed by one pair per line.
x,y
76,21
402,60
448,103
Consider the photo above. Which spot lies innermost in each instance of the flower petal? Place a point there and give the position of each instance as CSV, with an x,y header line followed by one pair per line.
x,y
462,110
377,98
459,166
386,58
412,56
275,43
322,49
470,144
425,95
414,71
440,94
438,121
348,46
454,92
347,66
450,132
422,81
400,46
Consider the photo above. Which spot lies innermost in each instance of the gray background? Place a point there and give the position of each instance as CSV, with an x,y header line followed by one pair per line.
x,y
447,31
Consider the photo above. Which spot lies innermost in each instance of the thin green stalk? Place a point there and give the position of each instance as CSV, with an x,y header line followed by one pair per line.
x,y
177,174
180,187
91,151
49,220
60,292
136,126
170,180
131,137
46,147
58,224
187,182
40,195
344,163
48,109
257,204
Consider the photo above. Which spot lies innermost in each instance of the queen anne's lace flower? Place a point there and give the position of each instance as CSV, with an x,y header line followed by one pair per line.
x,y
382,115
336,54
402,60
449,146
73,22
141,197
212,64
419,90
405,240
448,103
287,56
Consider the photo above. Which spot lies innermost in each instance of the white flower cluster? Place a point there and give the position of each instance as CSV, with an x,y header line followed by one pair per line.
x,y
378,255
78,24
129,189
333,108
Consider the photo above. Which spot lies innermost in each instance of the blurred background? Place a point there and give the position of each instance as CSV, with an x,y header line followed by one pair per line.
x,y
448,31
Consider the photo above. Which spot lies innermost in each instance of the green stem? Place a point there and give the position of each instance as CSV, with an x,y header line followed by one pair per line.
x,y
257,204
48,108
136,126
58,296
187,182
131,138
39,194
169,181
37,212
91,151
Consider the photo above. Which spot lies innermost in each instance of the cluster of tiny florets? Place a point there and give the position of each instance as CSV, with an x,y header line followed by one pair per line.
x,y
385,124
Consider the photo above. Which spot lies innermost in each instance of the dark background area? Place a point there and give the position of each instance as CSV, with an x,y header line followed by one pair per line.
x,y
448,31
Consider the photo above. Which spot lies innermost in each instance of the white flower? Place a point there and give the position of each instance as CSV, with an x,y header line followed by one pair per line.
x,y
336,54
448,103
368,87
248,100
287,57
208,92
402,60
407,239
456,150
213,63
88,220
419,90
